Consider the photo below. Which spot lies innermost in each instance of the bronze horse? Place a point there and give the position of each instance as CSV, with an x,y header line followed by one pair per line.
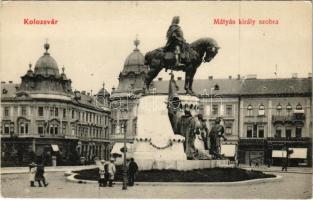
x,y
202,50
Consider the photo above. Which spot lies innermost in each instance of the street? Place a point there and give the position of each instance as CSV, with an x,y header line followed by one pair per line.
x,y
292,186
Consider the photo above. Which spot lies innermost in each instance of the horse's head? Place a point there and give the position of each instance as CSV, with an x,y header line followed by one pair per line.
x,y
211,50
206,47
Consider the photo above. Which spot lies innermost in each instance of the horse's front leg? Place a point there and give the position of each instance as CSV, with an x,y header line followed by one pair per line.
x,y
153,72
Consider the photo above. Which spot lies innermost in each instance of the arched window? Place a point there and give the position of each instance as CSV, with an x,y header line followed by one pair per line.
x,y
249,110
279,109
261,110
299,107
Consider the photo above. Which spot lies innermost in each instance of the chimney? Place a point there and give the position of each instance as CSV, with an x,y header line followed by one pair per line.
x,y
2,82
251,76
160,79
10,81
210,77
310,75
84,92
294,75
88,93
179,78
229,77
238,76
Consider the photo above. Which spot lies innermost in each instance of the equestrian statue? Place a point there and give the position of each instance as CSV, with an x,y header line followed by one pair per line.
x,y
178,55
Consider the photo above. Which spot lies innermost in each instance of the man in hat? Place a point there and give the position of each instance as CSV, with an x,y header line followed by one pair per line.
x,y
132,170
111,171
175,40
216,132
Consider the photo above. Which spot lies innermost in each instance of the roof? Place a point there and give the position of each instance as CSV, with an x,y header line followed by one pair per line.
x,y
85,100
203,86
46,65
242,87
277,86
134,62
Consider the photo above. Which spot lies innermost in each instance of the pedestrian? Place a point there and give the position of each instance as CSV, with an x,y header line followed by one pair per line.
x,y
32,173
39,177
101,173
132,171
111,171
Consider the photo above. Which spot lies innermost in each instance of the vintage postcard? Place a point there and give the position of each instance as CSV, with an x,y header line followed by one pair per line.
x,y
156,99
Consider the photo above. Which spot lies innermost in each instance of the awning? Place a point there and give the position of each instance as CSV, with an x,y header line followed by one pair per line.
x,y
118,146
229,150
299,153
278,154
55,147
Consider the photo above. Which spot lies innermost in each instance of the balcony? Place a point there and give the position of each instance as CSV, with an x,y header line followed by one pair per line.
x,y
296,117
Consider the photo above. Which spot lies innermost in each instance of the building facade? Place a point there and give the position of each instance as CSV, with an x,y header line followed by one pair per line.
x,y
43,118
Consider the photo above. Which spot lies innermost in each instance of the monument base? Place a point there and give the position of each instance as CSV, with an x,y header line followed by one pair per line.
x,y
181,165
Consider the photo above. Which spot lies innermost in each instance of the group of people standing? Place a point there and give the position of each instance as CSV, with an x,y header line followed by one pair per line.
x,y
107,172
36,174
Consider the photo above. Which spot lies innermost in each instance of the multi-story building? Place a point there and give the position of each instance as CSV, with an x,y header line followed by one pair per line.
x,y
125,99
43,117
275,114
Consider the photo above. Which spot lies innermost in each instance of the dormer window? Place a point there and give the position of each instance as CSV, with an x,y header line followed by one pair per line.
x,y
261,110
4,91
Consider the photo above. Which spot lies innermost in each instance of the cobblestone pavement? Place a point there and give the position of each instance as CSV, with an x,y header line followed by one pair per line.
x,y
293,185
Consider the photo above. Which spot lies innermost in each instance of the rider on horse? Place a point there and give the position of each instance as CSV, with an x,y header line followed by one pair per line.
x,y
175,40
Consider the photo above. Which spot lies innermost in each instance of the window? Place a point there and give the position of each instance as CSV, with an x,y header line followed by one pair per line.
x,y
40,111
6,128
40,129
249,131
289,109
261,131
24,112
288,132
299,107
228,130
6,111
229,110
298,132
261,110
73,114
249,110
23,128
279,109
278,132
51,112
64,112
56,112
215,109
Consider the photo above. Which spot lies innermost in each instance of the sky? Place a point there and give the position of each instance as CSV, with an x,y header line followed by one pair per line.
x,y
93,39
